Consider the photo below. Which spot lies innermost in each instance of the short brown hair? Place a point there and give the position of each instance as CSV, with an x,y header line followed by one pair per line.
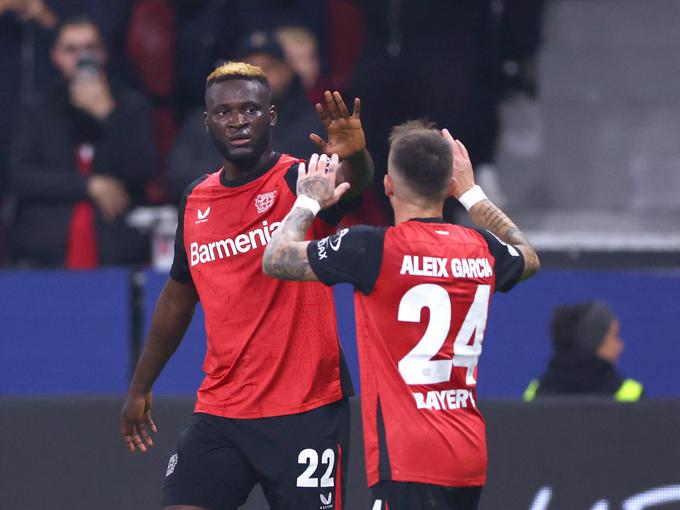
x,y
420,154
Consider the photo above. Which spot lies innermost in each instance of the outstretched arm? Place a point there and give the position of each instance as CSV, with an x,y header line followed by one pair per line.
x,y
346,139
172,316
286,254
484,213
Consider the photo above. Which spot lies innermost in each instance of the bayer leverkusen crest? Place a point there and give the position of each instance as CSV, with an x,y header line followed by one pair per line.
x,y
265,201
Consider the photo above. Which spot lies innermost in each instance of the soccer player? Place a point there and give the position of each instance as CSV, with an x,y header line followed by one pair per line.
x,y
272,408
422,291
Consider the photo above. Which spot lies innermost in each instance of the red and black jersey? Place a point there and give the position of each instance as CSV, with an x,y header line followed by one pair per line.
x,y
421,301
272,346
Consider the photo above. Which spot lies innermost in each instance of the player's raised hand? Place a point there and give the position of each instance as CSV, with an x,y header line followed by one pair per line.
x,y
463,176
345,133
136,424
317,180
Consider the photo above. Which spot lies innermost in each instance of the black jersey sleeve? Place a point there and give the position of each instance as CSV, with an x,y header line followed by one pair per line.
x,y
353,255
332,215
180,263
508,264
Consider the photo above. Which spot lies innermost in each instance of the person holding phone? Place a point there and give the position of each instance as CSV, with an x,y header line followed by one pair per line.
x,y
81,157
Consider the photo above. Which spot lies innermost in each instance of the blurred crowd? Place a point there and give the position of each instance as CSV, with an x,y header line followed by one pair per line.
x,y
102,100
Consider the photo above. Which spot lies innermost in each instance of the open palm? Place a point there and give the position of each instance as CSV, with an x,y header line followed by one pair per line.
x,y
345,134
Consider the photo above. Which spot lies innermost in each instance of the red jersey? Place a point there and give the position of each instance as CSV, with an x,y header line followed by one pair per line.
x,y
272,346
421,303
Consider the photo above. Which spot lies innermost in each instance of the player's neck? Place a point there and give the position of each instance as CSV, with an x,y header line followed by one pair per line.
x,y
236,170
405,211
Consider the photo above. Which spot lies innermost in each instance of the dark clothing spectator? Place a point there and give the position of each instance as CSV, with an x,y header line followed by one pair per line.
x,y
586,347
579,375
191,156
430,59
205,31
208,31
194,154
10,96
27,29
46,183
297,119
269,15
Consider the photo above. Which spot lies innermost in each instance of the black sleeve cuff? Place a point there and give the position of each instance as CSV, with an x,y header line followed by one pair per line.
x,y
334,215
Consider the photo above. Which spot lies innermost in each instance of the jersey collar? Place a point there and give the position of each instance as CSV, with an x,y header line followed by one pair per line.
x,y
250,177
428,220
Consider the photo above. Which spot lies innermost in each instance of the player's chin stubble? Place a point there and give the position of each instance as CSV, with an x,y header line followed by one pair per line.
x,y
240,157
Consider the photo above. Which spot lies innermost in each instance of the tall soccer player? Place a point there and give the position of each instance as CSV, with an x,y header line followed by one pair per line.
x,y
272,408
422,291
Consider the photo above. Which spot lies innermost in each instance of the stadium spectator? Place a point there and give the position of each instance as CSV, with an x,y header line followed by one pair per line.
x,y
26,34
587,346
423,434
269,15
432,59
193,153
209,31
205,32
273,397
81,157
302,54
19,22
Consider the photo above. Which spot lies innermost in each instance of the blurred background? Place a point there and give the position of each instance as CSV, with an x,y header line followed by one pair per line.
x,y
570,110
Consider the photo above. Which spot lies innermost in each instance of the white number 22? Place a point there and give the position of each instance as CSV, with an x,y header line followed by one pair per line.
x,y
310,457
418,367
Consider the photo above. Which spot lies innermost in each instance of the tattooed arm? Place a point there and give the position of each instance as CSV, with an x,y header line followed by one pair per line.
x,y
286,254
485,214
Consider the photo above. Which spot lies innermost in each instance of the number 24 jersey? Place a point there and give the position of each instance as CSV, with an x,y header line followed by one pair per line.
x,y
422,293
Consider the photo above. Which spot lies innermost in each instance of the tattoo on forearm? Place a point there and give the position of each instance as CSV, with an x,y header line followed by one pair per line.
x,y
486,215
291,263
286,256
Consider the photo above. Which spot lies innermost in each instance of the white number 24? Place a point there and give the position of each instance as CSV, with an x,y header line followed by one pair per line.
x,y
418,367
310,457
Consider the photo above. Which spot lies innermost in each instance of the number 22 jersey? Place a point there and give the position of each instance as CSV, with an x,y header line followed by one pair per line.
x,y
272,346
422,293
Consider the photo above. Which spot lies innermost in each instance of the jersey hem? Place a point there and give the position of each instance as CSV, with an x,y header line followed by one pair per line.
x,y
445,482
217,410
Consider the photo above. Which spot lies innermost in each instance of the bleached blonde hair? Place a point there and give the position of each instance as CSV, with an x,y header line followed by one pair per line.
x,y
236,71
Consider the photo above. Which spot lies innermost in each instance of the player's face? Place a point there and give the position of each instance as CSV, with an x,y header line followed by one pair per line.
x,y
239,117
611,347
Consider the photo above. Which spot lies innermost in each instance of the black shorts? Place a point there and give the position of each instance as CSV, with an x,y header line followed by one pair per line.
x,y
422,496
300,460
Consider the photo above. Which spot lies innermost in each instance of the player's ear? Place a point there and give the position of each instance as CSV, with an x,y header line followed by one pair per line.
x,y
389,185
273,115
205,122
452,186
